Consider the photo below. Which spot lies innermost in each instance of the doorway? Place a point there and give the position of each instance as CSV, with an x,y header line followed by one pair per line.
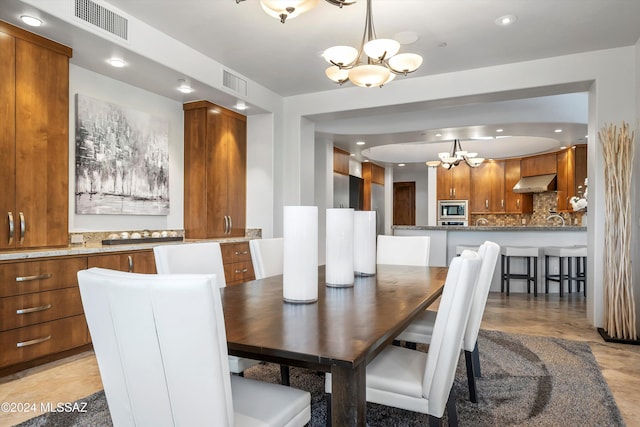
x,y
404,203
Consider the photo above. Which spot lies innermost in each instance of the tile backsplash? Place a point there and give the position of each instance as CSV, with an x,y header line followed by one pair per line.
x,y
543,204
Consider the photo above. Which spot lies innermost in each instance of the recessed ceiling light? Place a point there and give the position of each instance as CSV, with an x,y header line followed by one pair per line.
x,y
562,147
31,20
506,20
499,130
184,86
366,160
352,154
116,62
438,134
401,165
558,130
360,143
240,105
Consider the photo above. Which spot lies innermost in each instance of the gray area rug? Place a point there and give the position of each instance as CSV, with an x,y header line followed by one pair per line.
x,y
526,381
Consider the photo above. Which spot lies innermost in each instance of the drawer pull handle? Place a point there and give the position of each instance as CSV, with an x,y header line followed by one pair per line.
x,y
32,342
33,309
242,253
130,261
36,277
23,227
244,270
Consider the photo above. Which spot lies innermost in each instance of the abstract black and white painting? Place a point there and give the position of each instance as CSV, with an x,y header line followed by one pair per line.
x,y
122,160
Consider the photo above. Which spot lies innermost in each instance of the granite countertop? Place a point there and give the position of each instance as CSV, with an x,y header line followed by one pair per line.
x,y
490,228
97,248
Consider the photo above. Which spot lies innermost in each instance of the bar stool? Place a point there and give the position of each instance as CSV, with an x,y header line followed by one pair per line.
x,y
572,255
530,254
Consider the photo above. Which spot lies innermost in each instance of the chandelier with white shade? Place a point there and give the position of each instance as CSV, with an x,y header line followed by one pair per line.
x,y
289,9
378,67
457,155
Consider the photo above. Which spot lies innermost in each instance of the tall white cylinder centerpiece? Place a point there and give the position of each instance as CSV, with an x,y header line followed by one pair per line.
x,y
364,243
300,254
339,248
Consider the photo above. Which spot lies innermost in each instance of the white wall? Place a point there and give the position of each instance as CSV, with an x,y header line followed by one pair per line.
x,y
421,178
103,88
260,174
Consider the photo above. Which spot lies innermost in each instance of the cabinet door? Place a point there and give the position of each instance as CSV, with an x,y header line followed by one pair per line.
x,y
515,202
7,140
444,191
538,165
497,202
480,188
42,146
237,178
133,262
461,182
565,179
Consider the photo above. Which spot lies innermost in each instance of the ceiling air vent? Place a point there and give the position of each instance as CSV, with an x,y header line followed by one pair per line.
x,y
234,83
108,20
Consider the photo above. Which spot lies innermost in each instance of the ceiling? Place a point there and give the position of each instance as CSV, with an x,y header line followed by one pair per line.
x,y
285,58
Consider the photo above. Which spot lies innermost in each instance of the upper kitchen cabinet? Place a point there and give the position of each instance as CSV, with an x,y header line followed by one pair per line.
x,y
215,162
543,164
453,184
515,203
572,171
34,140
487,188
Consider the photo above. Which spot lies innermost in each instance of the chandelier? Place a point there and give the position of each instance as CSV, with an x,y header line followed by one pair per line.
x,y
457,155
381,65
289,9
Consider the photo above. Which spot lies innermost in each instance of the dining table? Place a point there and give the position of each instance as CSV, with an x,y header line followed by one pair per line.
x,y
339,333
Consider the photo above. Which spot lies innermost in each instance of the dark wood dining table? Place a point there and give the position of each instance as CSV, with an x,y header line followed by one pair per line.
x,y
340,333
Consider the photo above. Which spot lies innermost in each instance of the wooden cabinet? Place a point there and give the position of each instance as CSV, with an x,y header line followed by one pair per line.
x,y
236,259
41,311
34,140
215,152
141,261
542,164
572,170
487,188
515,203
340,161
373,175
454,183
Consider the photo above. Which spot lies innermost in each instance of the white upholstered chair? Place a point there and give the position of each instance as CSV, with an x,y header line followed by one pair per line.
x,y
198,258
161,348
267,256
403,250
421,329
422,382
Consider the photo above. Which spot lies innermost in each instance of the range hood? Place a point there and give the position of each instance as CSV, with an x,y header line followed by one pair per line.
x,y
536,184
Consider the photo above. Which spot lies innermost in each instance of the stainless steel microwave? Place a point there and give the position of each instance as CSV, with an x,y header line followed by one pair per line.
x,y
453,210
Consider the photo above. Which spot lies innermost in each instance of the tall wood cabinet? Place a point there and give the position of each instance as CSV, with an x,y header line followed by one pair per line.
x,y
34,140
215,157
516,203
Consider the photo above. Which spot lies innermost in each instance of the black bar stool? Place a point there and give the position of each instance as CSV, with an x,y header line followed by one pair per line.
x,y
569,255
530,254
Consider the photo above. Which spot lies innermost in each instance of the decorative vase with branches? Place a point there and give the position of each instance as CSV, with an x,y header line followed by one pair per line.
x,y
619,305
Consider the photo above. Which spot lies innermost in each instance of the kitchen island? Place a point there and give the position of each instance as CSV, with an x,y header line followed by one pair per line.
x,y
445,239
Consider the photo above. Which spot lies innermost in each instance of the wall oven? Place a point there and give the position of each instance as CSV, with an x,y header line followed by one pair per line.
x,y
453,211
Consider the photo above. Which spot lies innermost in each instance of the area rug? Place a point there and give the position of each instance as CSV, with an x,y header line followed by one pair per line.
x,y
526,381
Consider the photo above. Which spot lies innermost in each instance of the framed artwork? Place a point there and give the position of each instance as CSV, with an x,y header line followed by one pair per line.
x,y
122,160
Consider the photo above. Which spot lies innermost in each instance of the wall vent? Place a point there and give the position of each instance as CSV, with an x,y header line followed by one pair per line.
x,y
234,83
108,20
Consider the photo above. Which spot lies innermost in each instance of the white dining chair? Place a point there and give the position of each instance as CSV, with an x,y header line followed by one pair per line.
x,y
198,258
403,250
267,256
421,329
161,348
422,382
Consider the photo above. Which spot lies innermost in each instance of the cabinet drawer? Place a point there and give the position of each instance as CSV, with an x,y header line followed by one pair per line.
x,y
234,252
238,272
29,309
35,276
31,342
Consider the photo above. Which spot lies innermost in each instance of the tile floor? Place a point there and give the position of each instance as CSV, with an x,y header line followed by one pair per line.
x,y
76,377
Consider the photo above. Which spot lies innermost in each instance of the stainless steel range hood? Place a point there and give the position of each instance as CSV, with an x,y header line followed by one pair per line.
x,y
536,184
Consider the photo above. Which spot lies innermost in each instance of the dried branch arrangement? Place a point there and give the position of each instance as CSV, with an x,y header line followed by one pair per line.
x,y
619,305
